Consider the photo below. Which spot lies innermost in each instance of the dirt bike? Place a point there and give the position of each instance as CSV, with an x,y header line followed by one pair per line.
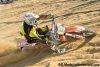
x,y
58,35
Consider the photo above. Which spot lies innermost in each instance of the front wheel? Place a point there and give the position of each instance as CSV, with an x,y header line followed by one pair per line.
x,y
88,34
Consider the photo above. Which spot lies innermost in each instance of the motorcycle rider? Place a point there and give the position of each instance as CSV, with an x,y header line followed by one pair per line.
x,y
30,30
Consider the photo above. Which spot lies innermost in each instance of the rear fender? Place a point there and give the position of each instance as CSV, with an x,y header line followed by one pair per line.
x,y
21,43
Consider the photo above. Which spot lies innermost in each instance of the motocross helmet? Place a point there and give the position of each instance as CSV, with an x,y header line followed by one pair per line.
x,y
30,19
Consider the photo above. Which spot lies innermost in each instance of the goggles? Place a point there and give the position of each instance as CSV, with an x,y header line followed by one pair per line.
x,y
33,21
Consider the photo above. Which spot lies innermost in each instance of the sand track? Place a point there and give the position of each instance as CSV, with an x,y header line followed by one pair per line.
x,y
69,12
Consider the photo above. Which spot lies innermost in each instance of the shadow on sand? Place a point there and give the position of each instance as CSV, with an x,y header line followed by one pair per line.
x,y
43,54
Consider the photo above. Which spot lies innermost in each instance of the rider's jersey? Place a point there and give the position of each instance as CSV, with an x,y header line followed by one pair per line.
x,y
33,32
